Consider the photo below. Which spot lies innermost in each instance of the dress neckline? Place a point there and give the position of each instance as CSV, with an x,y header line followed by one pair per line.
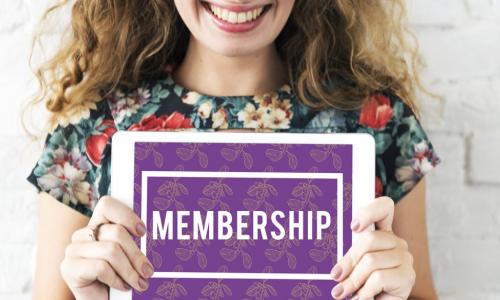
x,y
285,89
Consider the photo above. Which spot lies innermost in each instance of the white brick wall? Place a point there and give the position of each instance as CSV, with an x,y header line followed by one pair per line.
x,y
461,42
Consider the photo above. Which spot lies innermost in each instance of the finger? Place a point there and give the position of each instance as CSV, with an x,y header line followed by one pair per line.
x,y
379,212
395,283
114,255
378,282
369,241
110,210
80,272
81,235
369,263
118,234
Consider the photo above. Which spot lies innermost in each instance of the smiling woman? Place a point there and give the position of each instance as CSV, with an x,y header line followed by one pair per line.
x,y
333,66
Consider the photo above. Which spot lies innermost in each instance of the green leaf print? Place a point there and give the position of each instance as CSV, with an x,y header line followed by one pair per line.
x,y
382,142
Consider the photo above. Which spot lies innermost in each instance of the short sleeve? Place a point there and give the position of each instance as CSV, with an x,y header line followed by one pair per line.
x,y
404,153
74,166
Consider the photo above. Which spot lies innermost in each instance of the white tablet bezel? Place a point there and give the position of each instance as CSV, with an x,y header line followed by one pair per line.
x,y
122,162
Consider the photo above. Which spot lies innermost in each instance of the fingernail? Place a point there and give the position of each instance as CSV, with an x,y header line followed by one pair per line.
x,y
141,229
147,270
355,224
336,272
126,286
143,284
337,291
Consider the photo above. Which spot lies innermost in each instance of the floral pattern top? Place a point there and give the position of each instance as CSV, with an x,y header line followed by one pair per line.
x,y
75,164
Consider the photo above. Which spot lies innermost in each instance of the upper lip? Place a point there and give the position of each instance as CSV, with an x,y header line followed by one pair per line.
x,y
237,7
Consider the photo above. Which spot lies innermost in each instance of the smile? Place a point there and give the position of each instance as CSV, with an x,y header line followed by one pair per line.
x,y
236,18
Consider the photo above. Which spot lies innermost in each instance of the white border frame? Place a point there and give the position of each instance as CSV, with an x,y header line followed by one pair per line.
x,y
363,173
281,175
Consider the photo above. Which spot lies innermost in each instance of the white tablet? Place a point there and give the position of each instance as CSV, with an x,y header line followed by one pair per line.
x,y
242,214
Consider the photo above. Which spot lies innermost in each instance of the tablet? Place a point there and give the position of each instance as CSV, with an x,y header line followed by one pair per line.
x,y
242,215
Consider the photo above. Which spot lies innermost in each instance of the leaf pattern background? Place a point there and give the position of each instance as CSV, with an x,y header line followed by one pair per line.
x,y
236,248
307,290
193,249
190,151
234,151
327,151
172,289
260,194
282,249
217,289
281,152
260,290
144,150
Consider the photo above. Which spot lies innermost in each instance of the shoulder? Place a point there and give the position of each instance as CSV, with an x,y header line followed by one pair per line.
x,y
89,129
75,159
380,111
383,109
404,152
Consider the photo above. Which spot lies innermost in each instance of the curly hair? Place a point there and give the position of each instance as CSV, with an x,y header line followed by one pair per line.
x,y
337,52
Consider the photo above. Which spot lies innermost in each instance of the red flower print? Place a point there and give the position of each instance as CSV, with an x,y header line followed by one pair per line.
x,y
377,112
379,189
164,122
96,143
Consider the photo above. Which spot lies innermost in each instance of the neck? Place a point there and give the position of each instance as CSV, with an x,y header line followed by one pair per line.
x,y
210,73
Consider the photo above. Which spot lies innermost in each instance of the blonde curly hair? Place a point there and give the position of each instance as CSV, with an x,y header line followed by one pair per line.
x,y
338,52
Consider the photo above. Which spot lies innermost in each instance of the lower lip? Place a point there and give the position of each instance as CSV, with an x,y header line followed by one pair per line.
x,y
235,28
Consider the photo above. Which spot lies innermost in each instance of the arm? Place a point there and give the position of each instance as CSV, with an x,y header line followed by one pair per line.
x,y
410,225
56,224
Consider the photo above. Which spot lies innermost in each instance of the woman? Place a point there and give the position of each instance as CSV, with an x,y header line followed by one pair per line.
x,y
279,65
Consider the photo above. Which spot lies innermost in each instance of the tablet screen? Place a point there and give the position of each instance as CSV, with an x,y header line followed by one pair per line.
x,y
240,216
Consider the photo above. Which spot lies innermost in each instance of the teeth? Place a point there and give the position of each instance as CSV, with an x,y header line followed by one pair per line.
x,y
242,17
234,17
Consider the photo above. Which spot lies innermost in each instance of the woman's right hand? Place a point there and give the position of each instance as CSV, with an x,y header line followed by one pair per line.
x,y
90,267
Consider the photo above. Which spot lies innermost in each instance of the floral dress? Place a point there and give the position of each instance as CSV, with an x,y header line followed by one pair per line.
x,y
75,164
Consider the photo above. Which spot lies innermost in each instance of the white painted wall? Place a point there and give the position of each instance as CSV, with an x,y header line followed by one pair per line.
x,y
461,43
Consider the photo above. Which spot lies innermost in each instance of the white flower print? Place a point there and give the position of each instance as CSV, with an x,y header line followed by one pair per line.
x,y
65,179
407,176
124,106
276,118
266,99
278,112
205,109
191,98
420,165
251,117
219,119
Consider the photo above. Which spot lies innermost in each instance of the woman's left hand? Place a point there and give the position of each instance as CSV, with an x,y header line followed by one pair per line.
x,y
378,265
